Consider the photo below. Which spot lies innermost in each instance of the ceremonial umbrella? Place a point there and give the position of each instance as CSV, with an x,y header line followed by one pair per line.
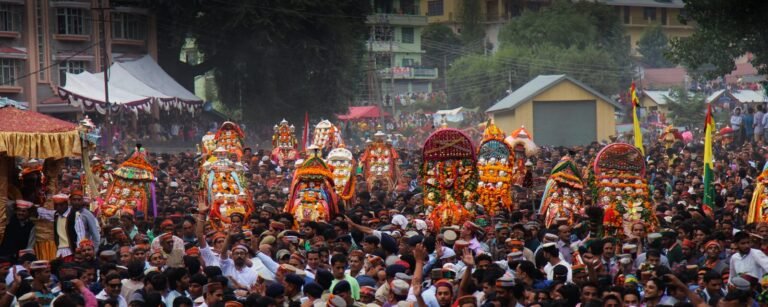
x,y
28,134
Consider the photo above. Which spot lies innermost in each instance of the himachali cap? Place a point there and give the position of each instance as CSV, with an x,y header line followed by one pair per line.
x,y
449,237
400,287
166,223
550,244
26,251
460,243
404,277
740,284
60,198
193,251
76,192
23,204
515,255
277,225
39,264
506,281
550,237
629,247
654,236
239,246
116,231
166,236
336,301
233,304
712,243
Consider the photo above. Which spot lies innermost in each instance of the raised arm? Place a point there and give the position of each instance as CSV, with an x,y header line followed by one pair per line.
x,y
469,261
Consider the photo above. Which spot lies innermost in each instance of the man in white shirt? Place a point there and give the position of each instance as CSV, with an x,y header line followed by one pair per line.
x,y
68,225
236,268
112,288
552,254
747,260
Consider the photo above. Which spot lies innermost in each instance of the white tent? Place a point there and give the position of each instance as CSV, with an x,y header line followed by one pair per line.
x,y
743,96
453,115
133,85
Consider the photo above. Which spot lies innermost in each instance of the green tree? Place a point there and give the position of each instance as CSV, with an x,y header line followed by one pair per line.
x,y
653,45
472,31
724,31
686,108
272,57
582,40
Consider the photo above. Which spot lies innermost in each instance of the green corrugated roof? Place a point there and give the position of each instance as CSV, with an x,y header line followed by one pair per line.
x,y
535,87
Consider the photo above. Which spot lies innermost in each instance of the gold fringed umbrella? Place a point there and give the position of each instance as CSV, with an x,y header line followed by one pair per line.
x,y
28,134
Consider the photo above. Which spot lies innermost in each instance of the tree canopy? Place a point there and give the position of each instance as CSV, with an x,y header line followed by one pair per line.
x,y
725,30
686,108
582,40
274,57
653,45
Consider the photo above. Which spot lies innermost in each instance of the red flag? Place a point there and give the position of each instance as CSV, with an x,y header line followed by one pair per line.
x,y
305,133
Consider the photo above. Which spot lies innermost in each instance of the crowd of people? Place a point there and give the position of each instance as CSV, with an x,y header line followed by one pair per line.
x,y
382,251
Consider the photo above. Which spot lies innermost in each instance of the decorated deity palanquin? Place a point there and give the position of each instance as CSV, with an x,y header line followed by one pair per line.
x,y
494,167
223,180
523,147
284,144
230,137
380,163
622,190
449,173
343,163
326,136
563,197
312,195
130,189
670,136
758,207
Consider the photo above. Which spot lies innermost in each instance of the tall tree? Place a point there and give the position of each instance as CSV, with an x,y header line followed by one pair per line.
x,y
472,31
583,40
271,57
686,108
653,45
725,30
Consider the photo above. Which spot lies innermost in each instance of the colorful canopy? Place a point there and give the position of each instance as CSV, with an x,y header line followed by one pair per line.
x,y
363,112
29,134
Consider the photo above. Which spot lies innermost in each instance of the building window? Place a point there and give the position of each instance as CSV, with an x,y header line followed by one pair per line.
x,y
382,34
435,7
129,26
42,74
408,62
407,33
664,16
73,67
71,21
649,13
10,18
9,70
626,15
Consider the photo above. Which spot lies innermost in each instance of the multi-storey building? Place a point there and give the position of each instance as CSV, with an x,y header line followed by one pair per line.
x,y
42,40
394,43
637,16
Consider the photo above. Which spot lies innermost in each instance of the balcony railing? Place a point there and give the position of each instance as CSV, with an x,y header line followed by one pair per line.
x,y
397,19
409,73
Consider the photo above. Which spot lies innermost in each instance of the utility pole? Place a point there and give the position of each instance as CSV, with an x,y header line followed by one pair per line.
x,y
391,31
374,95
445,73
105,62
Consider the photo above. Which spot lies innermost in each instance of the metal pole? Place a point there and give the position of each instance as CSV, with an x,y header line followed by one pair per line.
x,y
105,59
391,69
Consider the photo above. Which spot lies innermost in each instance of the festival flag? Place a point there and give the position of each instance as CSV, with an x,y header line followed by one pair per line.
x,y
636,122
709,193
305,133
